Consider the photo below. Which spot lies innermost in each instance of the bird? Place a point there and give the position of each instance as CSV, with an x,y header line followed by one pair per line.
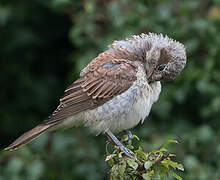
x,y
117,89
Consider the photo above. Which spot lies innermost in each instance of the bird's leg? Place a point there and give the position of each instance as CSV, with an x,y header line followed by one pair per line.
x,y
112,137
130,137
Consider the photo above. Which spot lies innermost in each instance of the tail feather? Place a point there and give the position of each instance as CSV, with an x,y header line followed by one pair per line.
x,y
29,136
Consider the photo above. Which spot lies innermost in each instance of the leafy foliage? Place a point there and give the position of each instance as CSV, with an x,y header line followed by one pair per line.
x,y
152,165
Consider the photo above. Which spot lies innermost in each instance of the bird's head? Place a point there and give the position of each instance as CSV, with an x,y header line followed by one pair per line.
x,y
165,58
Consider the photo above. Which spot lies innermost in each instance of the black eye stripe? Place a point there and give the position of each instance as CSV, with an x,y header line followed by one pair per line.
x,y
161,67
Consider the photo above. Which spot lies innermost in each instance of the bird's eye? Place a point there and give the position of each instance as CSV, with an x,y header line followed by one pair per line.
x,y
161,67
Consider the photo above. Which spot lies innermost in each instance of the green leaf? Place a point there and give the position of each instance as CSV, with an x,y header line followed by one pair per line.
x,y
147,164
135,137
146,176
175,165
111,162
156,176
175,175
114,170
163,149
142,155
120,154
130,146
167,143
131,162
124,138
165,164
121,169
162,170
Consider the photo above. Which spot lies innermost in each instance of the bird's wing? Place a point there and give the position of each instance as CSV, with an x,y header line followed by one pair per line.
x,y
95,88
98,85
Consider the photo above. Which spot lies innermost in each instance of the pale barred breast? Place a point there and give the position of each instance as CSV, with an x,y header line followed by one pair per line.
x,y
111,114
142,101
124,111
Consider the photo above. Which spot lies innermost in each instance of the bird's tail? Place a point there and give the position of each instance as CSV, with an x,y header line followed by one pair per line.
x,y
29,136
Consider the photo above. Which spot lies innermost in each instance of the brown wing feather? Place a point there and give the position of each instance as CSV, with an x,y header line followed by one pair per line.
x,y
29,136
110,79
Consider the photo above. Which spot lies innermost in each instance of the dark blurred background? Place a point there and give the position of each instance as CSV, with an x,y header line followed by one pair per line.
x,y
45,44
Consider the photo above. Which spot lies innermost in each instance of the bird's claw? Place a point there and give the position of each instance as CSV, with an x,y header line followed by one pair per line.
x,y
127,151
115,141
130,137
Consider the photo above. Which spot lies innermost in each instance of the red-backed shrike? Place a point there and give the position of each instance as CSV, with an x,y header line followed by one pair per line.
x,y
117,89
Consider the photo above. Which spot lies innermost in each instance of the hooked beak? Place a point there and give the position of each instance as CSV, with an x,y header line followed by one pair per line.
x,y
149,73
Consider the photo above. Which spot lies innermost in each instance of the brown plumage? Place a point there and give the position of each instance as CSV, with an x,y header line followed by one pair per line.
x,y
29,136
99,85
164,57
108,80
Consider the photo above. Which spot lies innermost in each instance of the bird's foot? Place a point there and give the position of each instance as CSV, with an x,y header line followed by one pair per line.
x,y
118,143
130,137
127,151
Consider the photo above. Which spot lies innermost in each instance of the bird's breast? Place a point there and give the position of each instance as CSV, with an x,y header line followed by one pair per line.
x,y
125,110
